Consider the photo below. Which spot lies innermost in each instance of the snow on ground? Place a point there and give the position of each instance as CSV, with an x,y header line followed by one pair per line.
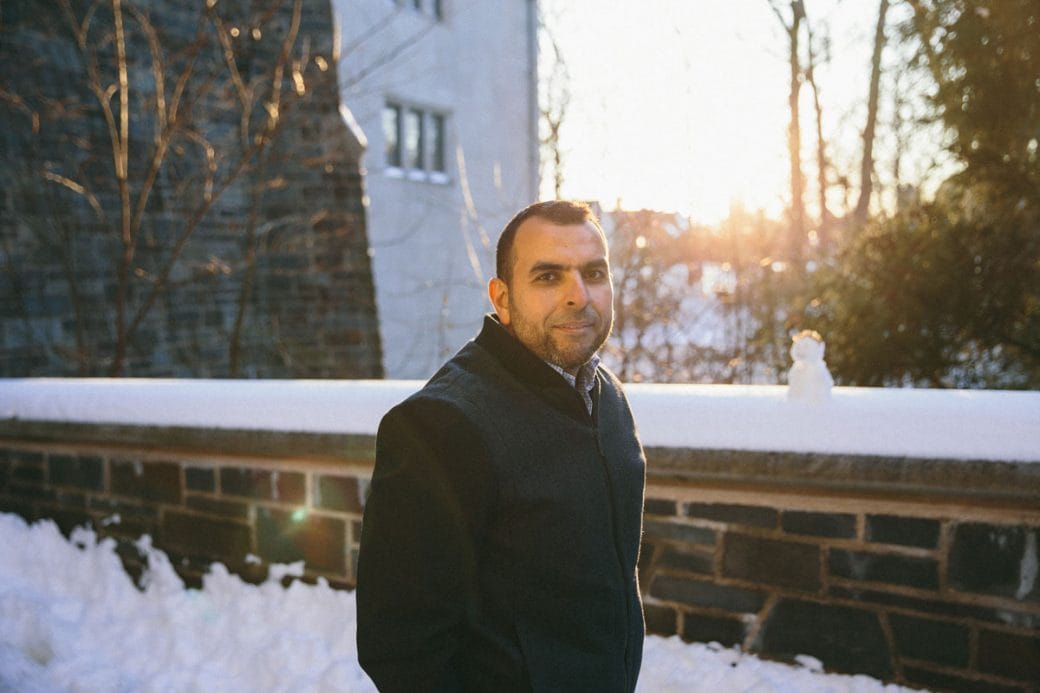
x,y
960,424
73,621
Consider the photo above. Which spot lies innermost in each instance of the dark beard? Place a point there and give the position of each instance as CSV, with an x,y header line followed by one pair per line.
x,y
571,357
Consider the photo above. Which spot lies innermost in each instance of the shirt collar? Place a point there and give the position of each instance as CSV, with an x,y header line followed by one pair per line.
x,y
586,376
584,381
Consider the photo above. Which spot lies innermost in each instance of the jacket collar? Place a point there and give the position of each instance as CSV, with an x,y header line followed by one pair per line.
x,y
515,357
529,369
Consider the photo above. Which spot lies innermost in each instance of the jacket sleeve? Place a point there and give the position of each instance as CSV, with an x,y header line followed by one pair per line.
x,y
420,543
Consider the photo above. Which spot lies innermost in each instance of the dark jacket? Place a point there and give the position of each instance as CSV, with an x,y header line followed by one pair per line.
x,y
502,530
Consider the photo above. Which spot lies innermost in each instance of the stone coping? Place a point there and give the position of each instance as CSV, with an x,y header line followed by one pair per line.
x,y
285,445
1014,484
1011,484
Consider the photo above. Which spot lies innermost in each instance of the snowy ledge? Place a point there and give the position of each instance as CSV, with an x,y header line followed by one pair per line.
x,y
931,424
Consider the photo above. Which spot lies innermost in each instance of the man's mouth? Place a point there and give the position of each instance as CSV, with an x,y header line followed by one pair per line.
x,y
573,326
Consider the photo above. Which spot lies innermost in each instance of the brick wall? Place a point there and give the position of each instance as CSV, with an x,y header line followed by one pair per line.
x,y
939,596
922,572
244,499
274,282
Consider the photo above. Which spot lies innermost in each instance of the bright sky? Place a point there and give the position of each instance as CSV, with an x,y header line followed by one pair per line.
x,y
681,105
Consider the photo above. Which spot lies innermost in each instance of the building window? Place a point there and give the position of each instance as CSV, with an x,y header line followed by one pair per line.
x,y
414,142
413,139
433,8
437,143
392,134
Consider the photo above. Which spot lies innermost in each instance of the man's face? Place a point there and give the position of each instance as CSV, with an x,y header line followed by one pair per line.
x,y
559,302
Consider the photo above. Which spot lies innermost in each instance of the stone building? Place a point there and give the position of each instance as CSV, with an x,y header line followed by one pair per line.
x,y
248,257
445,92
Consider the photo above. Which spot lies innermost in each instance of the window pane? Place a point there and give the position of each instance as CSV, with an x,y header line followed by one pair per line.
x,y
413,138
437,143
392,134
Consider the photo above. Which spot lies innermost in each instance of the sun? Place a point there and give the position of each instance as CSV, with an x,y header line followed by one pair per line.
x,y
677,106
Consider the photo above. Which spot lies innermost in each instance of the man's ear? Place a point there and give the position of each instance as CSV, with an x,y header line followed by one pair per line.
x,y
498,292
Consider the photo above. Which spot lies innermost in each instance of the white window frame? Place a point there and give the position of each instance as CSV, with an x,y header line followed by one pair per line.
x,y
434,9
428,119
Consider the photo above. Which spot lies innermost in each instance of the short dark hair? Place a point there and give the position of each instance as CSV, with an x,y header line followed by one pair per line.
x,y
562,212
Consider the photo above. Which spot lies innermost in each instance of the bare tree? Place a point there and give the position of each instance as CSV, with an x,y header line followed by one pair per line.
x,y
823,164
647,339
793,28
166,94
866,174
553,100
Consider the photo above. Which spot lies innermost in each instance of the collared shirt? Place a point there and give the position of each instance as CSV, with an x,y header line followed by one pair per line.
x,y
584,381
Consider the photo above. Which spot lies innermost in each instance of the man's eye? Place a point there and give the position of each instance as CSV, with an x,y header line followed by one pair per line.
x,y
596,275
546,277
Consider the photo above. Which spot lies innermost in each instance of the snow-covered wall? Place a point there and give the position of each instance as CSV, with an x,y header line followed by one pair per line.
x,y
951,424
886,532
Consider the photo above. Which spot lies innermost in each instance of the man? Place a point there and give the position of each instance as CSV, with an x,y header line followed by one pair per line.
x,y
502,529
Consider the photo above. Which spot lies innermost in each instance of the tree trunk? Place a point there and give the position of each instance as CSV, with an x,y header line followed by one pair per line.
x,y
554,100
859,216
796,242
826,218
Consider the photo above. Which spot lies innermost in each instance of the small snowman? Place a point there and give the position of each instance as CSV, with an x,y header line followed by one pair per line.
x,y
808,380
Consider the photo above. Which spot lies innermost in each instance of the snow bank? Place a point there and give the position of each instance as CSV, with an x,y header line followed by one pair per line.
x,y
318,406
958,424
961,424
73,621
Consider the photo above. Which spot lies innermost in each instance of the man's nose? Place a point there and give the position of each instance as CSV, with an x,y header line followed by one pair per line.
x,y
577,292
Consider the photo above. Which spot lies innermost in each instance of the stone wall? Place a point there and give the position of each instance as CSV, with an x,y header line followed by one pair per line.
x,y
245,499
922,572
935,588
274,281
